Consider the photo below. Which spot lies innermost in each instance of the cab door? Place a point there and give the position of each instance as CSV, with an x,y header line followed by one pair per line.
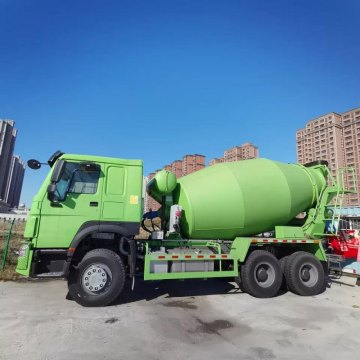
x,y
78,202
115,194
122,196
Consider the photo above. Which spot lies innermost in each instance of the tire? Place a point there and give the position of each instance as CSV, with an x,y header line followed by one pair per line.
x,y
305,274
261,274
283,262
239,283
99,278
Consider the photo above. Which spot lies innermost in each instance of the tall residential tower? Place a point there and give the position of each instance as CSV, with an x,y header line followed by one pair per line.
x,y
11,167
333,137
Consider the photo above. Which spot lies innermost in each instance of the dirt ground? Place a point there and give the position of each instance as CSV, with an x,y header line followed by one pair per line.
x,y
209,319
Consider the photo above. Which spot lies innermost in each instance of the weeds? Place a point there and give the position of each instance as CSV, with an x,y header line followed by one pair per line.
x,y
17,235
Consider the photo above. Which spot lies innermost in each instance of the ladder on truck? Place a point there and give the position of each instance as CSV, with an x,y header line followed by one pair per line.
x,y
330,199
346,183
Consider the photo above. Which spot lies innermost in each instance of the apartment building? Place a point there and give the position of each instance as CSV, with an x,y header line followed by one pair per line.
x,y
321,139
176,168
334,137
237,153
7,144
243,152
15,181
167,167
216,161
12,169
192,163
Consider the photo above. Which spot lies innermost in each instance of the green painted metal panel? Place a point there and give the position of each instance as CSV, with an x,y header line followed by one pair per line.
x,y
240,248
286,232
238,252
24,263
162,184
25,271
191,275
113,210
59,223
319,252
115,180
122,195
31,227
315,249
184,258
242,198
232,256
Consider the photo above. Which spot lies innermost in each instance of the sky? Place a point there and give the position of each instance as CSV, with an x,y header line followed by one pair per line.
x,y
158,79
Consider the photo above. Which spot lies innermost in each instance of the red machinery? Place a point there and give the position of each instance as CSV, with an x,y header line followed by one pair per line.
x,y
346,243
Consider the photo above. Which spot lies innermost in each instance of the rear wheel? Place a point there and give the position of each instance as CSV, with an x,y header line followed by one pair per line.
x,y
239,283
98,279
283,262
261,274
304,274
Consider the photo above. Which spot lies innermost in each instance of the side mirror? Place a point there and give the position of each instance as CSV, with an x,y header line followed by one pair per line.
x,y
34,164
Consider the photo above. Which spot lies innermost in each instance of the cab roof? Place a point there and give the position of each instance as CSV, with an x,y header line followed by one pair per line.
x,y
101,159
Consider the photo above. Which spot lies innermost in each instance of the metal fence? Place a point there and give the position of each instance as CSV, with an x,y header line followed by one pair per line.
x,y
6,245
11,234
4,217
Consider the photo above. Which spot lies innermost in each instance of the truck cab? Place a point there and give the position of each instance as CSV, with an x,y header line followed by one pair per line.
x,y
84,199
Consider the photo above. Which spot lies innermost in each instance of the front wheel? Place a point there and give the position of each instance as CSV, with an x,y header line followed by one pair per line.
x,y
99,278
261,275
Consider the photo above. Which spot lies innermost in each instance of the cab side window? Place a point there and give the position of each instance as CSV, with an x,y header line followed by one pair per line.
x,y
84,182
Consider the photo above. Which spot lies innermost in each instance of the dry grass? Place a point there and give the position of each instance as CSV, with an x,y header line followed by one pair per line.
x,y
17,235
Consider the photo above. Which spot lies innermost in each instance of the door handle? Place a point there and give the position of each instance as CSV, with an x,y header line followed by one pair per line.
x,y
94,203
54,204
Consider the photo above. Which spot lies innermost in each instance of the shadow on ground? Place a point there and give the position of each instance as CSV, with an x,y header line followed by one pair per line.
x,y
145,290
336,279
150,290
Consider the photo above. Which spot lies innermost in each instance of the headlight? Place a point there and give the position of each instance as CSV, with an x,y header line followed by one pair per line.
x,y
23,249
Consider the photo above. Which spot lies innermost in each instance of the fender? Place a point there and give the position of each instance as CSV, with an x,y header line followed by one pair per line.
x,y
93,227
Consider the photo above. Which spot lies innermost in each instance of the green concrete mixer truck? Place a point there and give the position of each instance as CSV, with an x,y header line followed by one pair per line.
x,y
231,220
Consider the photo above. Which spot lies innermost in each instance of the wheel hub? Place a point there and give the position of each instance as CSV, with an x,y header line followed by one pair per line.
x,y
95,278
305,275
262,274
308,275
